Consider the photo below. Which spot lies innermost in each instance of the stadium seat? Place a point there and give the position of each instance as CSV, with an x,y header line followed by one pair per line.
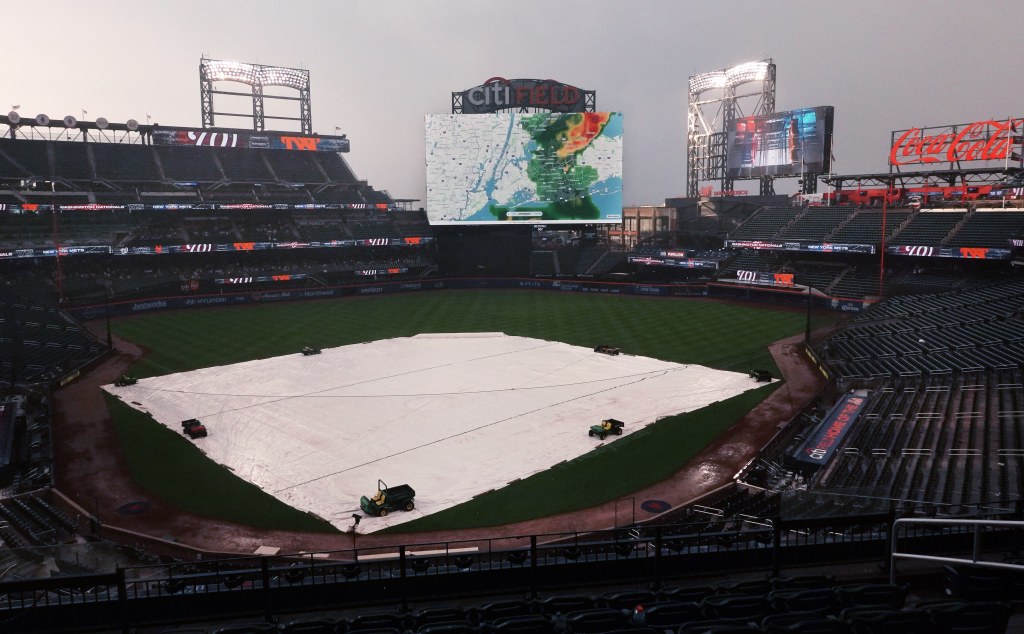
x,y
975,583
980,617
377,621
453,627
565,604
817,600
803,622
428,616
719,627
886,621
748,607
686,594
625,600
671,614
522,624
310,626
595,620
254,628
872,595
495,610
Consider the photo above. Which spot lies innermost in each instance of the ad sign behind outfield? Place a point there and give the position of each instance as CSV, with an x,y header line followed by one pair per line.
x,y
987,140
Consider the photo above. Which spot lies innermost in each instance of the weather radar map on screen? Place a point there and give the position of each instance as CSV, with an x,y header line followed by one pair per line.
x,y
543,167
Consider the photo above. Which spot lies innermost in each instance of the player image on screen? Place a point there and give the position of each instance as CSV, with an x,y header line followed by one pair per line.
x,y
781,144
537,167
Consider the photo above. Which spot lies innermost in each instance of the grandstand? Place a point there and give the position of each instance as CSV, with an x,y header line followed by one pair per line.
x,y
100,226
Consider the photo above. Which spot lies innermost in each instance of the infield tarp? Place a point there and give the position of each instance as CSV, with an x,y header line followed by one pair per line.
x,y
452,415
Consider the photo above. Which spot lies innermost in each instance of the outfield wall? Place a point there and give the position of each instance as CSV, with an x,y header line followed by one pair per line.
x,y
721,291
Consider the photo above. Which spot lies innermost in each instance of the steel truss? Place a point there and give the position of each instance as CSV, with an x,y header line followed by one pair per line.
x,y
708,120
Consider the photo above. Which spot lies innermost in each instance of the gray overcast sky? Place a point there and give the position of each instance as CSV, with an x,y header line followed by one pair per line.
x,y
378,66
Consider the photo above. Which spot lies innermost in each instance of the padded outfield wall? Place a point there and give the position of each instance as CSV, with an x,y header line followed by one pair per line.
x,y
793,297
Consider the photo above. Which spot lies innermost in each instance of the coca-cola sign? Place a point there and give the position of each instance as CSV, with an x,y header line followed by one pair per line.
x,y
988,140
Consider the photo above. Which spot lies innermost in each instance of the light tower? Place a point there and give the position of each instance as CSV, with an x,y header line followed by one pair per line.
x,y
709,116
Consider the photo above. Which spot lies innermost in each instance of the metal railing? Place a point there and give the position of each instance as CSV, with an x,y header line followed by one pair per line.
x,y
940,524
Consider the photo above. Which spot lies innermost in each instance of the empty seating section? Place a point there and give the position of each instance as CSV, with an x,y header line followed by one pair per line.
x,y
71,161
28,158
765,224
989,228
91,227
944,419
542,263
945,442
857,283
296,167
265,226
210,229
930,227
38,343
373,229
865,227
124,163
22,230
244,165
321,226
970,331
336,168
760,261
188,164
816,224
156,228
375,197
411,223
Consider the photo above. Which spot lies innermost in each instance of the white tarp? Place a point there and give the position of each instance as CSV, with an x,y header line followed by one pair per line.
x,y
452,415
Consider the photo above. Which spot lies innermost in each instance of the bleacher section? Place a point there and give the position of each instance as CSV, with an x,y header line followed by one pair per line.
x,y
930,227
39,344
126,163
766,223
815,224
946,441
125,172
989,228
190,164
242,165
23,159
971,331
865,227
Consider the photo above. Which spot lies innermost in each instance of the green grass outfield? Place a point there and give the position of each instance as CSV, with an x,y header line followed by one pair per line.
x,y
720,335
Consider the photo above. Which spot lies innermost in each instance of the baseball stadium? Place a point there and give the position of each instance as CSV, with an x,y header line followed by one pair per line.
x,y
245,390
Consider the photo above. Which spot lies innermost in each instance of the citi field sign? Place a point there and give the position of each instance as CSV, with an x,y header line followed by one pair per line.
x,y
498,93
988,140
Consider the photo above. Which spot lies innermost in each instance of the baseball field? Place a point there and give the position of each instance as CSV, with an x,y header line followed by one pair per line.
x,y
719,335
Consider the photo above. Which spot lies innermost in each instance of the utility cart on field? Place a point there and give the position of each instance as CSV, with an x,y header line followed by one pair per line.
x,y
309,350
125,380
761,376
388,499
193,429
608,426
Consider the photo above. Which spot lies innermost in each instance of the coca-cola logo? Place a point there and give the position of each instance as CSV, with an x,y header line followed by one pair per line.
x,y
979,141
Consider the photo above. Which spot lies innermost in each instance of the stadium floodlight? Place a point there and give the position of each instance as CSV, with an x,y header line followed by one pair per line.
x,y
729,77
256,74
217,70
287,77
707,81
742,73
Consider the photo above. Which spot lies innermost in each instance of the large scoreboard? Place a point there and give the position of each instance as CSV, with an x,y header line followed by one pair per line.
x,y
541,168
787,143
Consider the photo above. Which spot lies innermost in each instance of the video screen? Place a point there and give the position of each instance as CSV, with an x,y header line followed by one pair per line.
x,y
539,168
781,144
